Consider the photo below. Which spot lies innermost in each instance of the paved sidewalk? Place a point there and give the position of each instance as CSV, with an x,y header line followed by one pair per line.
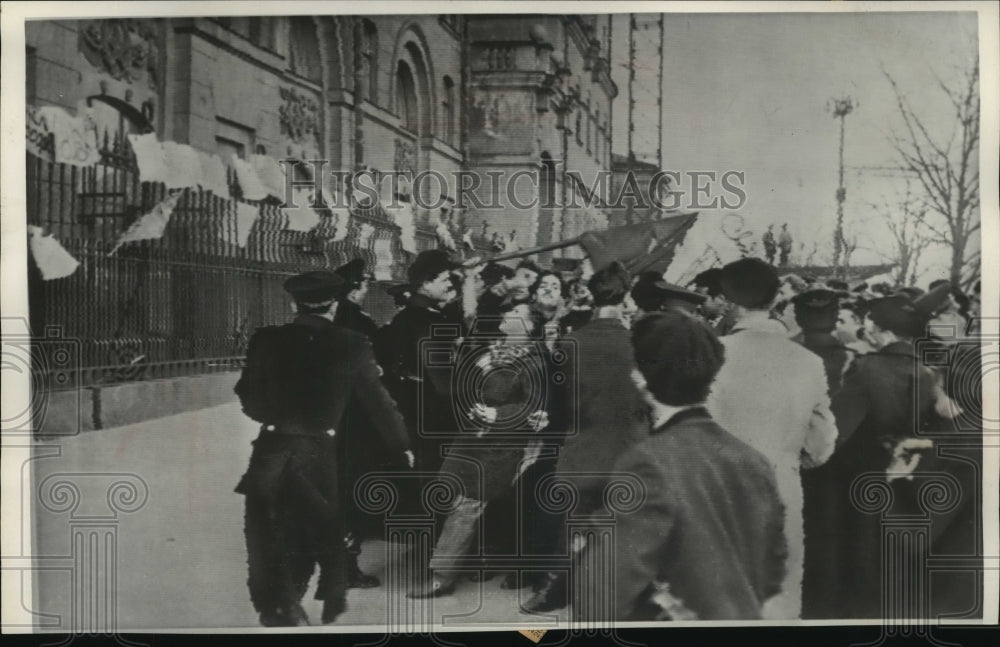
x,y
179,558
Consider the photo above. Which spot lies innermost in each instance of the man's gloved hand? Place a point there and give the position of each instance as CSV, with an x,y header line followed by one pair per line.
x,y
410,459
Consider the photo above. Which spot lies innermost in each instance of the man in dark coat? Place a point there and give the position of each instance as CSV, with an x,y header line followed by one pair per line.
x,y
706,543
611,414
816,313
362,449
297,382
413,338
887,401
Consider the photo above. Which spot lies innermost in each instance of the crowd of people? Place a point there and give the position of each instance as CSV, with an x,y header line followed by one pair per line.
x,y
749,405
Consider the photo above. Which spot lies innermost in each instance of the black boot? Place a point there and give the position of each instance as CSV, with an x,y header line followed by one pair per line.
x,y
292,615
273,618
551,596
332,609
356,579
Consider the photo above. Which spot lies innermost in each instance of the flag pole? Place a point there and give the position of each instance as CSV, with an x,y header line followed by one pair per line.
x,y
533,250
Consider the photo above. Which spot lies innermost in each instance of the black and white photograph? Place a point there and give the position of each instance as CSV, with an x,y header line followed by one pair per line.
x,y
462,316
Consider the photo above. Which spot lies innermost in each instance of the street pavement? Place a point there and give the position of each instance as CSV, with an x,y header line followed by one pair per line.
x,y
164,548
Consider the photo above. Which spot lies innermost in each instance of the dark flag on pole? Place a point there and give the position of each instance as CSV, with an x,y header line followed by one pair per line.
x,y
642,247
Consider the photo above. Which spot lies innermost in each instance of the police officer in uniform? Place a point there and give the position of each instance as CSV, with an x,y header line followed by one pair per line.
x,y
816,313
362,450
350,313
652,294
297,382
422,388
885,409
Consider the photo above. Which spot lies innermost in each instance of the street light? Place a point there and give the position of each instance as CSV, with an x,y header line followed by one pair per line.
x,y
840,109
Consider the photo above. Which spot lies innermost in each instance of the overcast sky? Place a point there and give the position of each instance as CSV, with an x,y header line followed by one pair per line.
x,y
750,92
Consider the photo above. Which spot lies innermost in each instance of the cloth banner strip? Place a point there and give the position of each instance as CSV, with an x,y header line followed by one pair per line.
x,y
74,138
152,225
52,259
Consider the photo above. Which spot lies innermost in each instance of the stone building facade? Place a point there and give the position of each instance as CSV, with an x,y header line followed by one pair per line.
x,y
500,95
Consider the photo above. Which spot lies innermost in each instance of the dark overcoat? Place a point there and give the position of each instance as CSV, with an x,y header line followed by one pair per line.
x,y
886,396
484,457
836,357
418,349
605,411
362,448
297,382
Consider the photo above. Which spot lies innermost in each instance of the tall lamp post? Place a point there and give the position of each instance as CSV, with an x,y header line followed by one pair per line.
x,y
840,108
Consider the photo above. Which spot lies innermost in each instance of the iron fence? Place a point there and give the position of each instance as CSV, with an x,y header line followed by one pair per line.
x,y
184,304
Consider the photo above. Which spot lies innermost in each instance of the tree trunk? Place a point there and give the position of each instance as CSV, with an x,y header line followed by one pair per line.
x,y
957,260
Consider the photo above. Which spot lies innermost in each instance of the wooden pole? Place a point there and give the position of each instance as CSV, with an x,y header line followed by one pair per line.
x,y
559,244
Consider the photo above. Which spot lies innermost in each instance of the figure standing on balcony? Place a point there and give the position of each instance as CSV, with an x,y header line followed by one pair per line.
x,y
784,245
770,245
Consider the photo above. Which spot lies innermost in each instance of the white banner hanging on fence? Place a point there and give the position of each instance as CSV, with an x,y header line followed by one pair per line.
x,y
150,157
341,221
365,235
74,138
246,216
271,175
213,174
52,259
183,166
383,259
250,184
152,225
403,217
303,217
36,133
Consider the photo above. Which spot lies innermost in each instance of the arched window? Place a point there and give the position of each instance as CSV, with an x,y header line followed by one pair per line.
x,y
448,105
413,92
406,97
369,59
304,49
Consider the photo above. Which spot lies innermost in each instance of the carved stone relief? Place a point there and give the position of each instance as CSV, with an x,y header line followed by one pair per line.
x,y
125,49
298,116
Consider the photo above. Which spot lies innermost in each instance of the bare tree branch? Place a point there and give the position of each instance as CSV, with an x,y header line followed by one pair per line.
x,y
948,174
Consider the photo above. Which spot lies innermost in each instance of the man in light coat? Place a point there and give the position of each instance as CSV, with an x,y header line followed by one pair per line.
x,y
771,393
